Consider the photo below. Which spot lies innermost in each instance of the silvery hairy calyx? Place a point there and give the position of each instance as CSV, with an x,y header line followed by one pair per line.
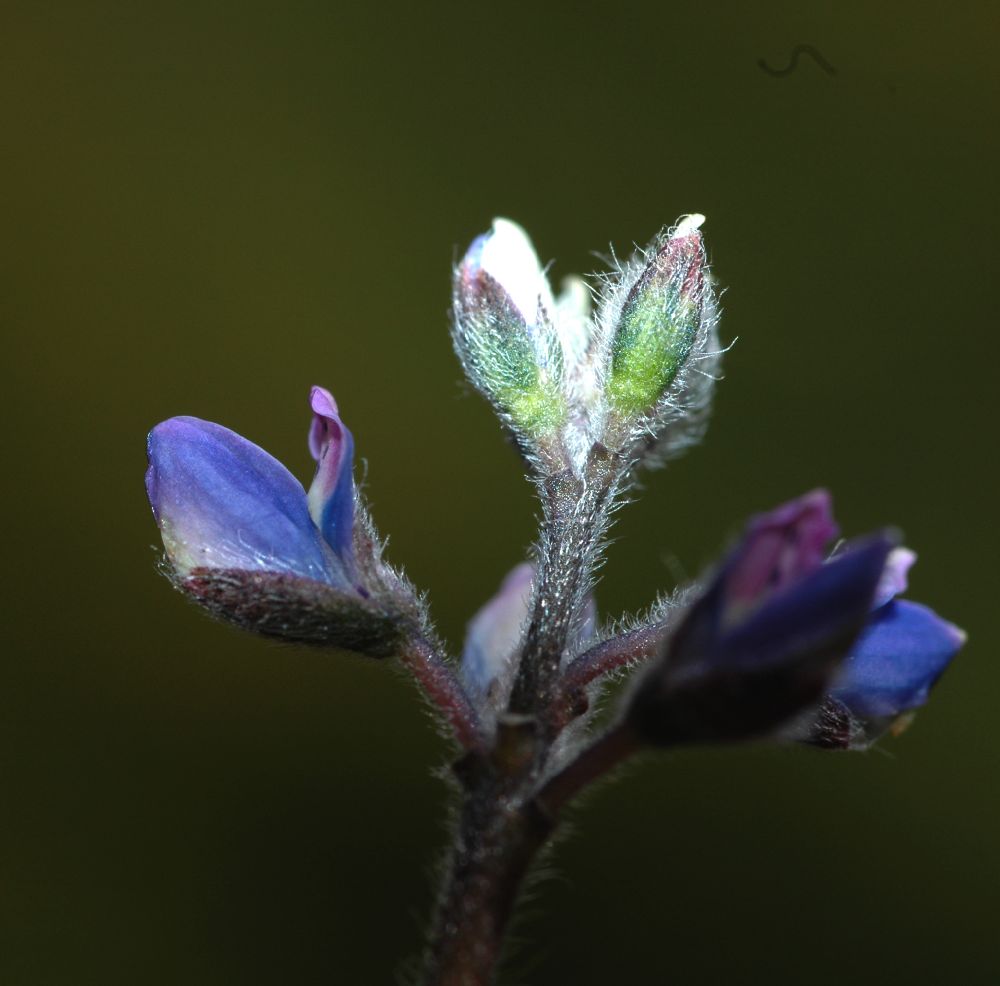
x,y
793,636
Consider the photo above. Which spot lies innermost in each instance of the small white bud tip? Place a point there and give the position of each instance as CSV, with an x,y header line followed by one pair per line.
x,y
509,258
688,225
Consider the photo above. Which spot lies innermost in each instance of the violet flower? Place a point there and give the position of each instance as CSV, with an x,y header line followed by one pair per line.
x,y
763,640
244,540
782,627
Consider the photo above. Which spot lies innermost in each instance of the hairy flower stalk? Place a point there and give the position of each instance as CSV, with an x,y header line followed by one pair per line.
x,y
784,640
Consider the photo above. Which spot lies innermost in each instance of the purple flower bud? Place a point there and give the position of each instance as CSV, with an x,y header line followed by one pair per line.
x,y
244,541
495,631
779,548
896,661
764,639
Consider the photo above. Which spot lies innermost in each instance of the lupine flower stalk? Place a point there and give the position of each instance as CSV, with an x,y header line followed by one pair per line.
x,y
793,637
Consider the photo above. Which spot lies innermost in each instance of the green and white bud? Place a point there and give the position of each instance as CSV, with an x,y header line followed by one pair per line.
x,y
505,334
632,380
659,323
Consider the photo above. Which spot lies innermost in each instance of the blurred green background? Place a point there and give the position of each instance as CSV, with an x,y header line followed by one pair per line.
x,y
207,207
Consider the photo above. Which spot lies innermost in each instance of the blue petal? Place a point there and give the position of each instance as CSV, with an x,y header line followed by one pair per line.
x,y
896,661
223,503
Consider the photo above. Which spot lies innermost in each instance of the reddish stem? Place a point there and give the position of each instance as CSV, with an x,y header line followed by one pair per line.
x,y
501,828
441,687
623,651
602,756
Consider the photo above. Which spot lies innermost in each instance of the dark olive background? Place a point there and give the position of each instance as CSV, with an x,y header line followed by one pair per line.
x,y
208,207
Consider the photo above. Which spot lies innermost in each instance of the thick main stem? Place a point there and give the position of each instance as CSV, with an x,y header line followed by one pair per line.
x,y
496,843
498,836
502,824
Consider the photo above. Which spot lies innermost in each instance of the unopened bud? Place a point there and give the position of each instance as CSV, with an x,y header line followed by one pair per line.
x,y
504,332
659,322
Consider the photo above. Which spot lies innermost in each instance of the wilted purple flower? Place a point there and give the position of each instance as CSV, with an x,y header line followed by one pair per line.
x,y
244,540
902,652
762,642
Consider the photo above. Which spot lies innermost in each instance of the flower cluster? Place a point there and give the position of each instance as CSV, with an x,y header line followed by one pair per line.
x,y
785,639
781,640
